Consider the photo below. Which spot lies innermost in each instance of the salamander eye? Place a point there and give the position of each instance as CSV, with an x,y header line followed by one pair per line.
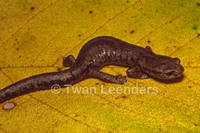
x,y
161,65
148,48
177,60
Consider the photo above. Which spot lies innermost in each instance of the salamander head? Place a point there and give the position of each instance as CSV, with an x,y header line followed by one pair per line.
x,y
162,67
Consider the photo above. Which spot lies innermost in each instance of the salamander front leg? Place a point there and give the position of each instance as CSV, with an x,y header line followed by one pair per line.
x,y
118,79
69,61
136,73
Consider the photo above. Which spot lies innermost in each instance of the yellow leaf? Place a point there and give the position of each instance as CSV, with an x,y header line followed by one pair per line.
x,y
35,35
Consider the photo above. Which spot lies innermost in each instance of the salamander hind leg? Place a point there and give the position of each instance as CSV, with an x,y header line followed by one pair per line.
x,y
118,79
69,61
136,73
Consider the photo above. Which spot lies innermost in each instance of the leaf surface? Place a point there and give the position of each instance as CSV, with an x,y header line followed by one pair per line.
x,y
35,35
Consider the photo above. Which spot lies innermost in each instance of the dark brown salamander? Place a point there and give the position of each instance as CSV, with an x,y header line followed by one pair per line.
x,y
94,55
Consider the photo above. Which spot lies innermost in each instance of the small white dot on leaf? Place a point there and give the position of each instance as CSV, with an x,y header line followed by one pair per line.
x,y
9,106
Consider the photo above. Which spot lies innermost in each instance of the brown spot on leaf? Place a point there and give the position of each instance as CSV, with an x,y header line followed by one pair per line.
x,y
32,8
195,124
149,41
17,49
76,115
131,32
124,97
90,11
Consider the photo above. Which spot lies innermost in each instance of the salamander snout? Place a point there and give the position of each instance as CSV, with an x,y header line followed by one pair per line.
x,y
174,70
177,60
174,73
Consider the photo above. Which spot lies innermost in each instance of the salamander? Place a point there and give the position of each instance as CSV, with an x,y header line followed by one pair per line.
x,y
97,53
